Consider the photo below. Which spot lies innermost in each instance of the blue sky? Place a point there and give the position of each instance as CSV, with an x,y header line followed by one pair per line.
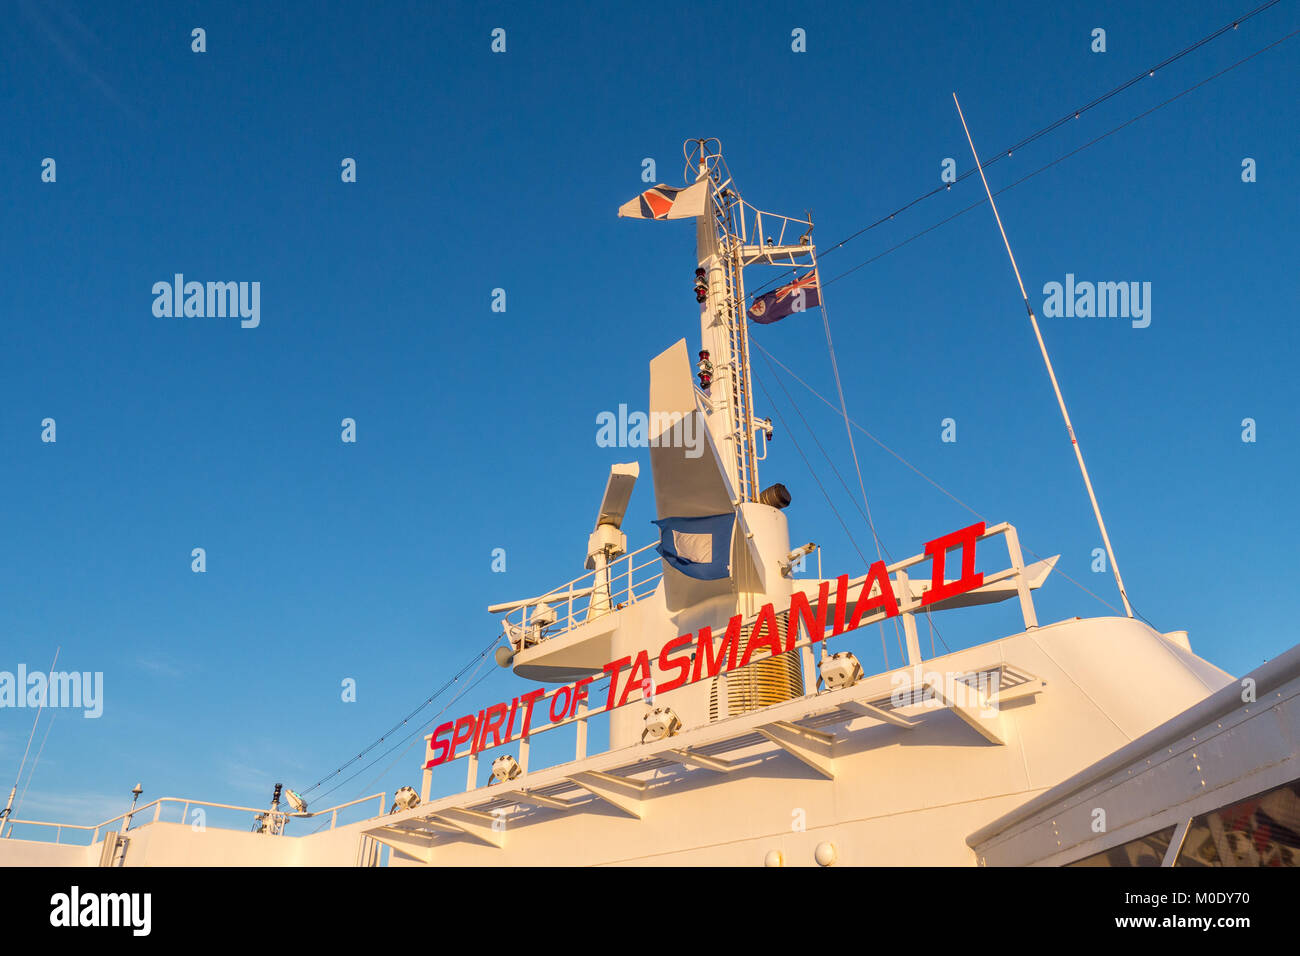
x,y
476,430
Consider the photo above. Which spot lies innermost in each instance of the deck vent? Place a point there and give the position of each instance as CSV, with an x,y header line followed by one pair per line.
x,y
766,680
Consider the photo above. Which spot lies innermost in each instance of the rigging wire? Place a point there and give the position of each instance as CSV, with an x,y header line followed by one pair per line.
x,y
848,422
414,734
794,441
461,693
1043,131
1002,154
7,812
1054,162
829,404
37,762
402,755
981,202
825,454
1092,142
427,701
844,410
835,511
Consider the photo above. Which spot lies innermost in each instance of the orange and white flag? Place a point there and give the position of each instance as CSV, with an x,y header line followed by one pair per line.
x,y
668,202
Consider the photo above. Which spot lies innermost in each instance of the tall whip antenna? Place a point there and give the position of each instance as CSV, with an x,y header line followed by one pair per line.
x,y
9,804
1078,452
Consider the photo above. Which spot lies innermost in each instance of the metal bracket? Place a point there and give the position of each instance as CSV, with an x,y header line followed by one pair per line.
x,y
810,746
622,793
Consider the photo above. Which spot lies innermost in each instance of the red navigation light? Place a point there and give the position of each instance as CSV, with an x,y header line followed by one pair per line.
x,y
706,369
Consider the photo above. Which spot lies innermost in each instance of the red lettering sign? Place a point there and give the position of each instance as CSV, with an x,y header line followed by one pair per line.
x,y
711,661
800,611
568,696
441,749
878,575
683,664
704,650
528,700
937,549
763,634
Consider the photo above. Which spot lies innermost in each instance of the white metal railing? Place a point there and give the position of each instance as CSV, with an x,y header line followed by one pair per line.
x,y
791,246
630,578
908,608
128,817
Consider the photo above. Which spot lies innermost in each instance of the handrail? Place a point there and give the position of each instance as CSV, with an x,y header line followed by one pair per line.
x,y
619,577
157,805
907,608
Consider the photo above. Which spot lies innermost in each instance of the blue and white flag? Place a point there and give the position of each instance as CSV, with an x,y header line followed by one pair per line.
x,y
699,548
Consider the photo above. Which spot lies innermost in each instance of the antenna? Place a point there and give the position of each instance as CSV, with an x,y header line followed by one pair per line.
x,y
607,541
8,810
1078,452
618,492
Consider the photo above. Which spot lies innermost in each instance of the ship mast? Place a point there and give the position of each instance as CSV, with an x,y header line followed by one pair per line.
x,y
722,325
729,236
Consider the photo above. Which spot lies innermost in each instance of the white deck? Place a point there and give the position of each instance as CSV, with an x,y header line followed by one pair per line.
x,y
881,793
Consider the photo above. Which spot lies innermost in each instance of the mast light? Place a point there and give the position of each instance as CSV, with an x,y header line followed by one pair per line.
x,y
706,369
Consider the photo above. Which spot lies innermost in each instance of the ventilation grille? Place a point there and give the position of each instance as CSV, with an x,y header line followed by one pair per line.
x,y
766,680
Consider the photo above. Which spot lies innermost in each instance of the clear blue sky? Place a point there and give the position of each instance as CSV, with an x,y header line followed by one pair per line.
x,y
476,429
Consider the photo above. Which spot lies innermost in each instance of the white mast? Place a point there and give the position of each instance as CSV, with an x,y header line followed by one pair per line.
x,y
722,323
730,236
1060,399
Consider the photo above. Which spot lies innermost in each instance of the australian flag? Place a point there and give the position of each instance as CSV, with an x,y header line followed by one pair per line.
x,y
699,548
800,295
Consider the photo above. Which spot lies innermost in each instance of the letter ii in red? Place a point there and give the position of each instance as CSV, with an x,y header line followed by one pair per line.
x,y
938,549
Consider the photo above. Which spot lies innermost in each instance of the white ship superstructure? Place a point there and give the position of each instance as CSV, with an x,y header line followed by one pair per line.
x,y
739,733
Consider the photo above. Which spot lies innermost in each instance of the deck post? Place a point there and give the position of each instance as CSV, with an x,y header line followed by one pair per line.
x,y
909,620
1022,586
